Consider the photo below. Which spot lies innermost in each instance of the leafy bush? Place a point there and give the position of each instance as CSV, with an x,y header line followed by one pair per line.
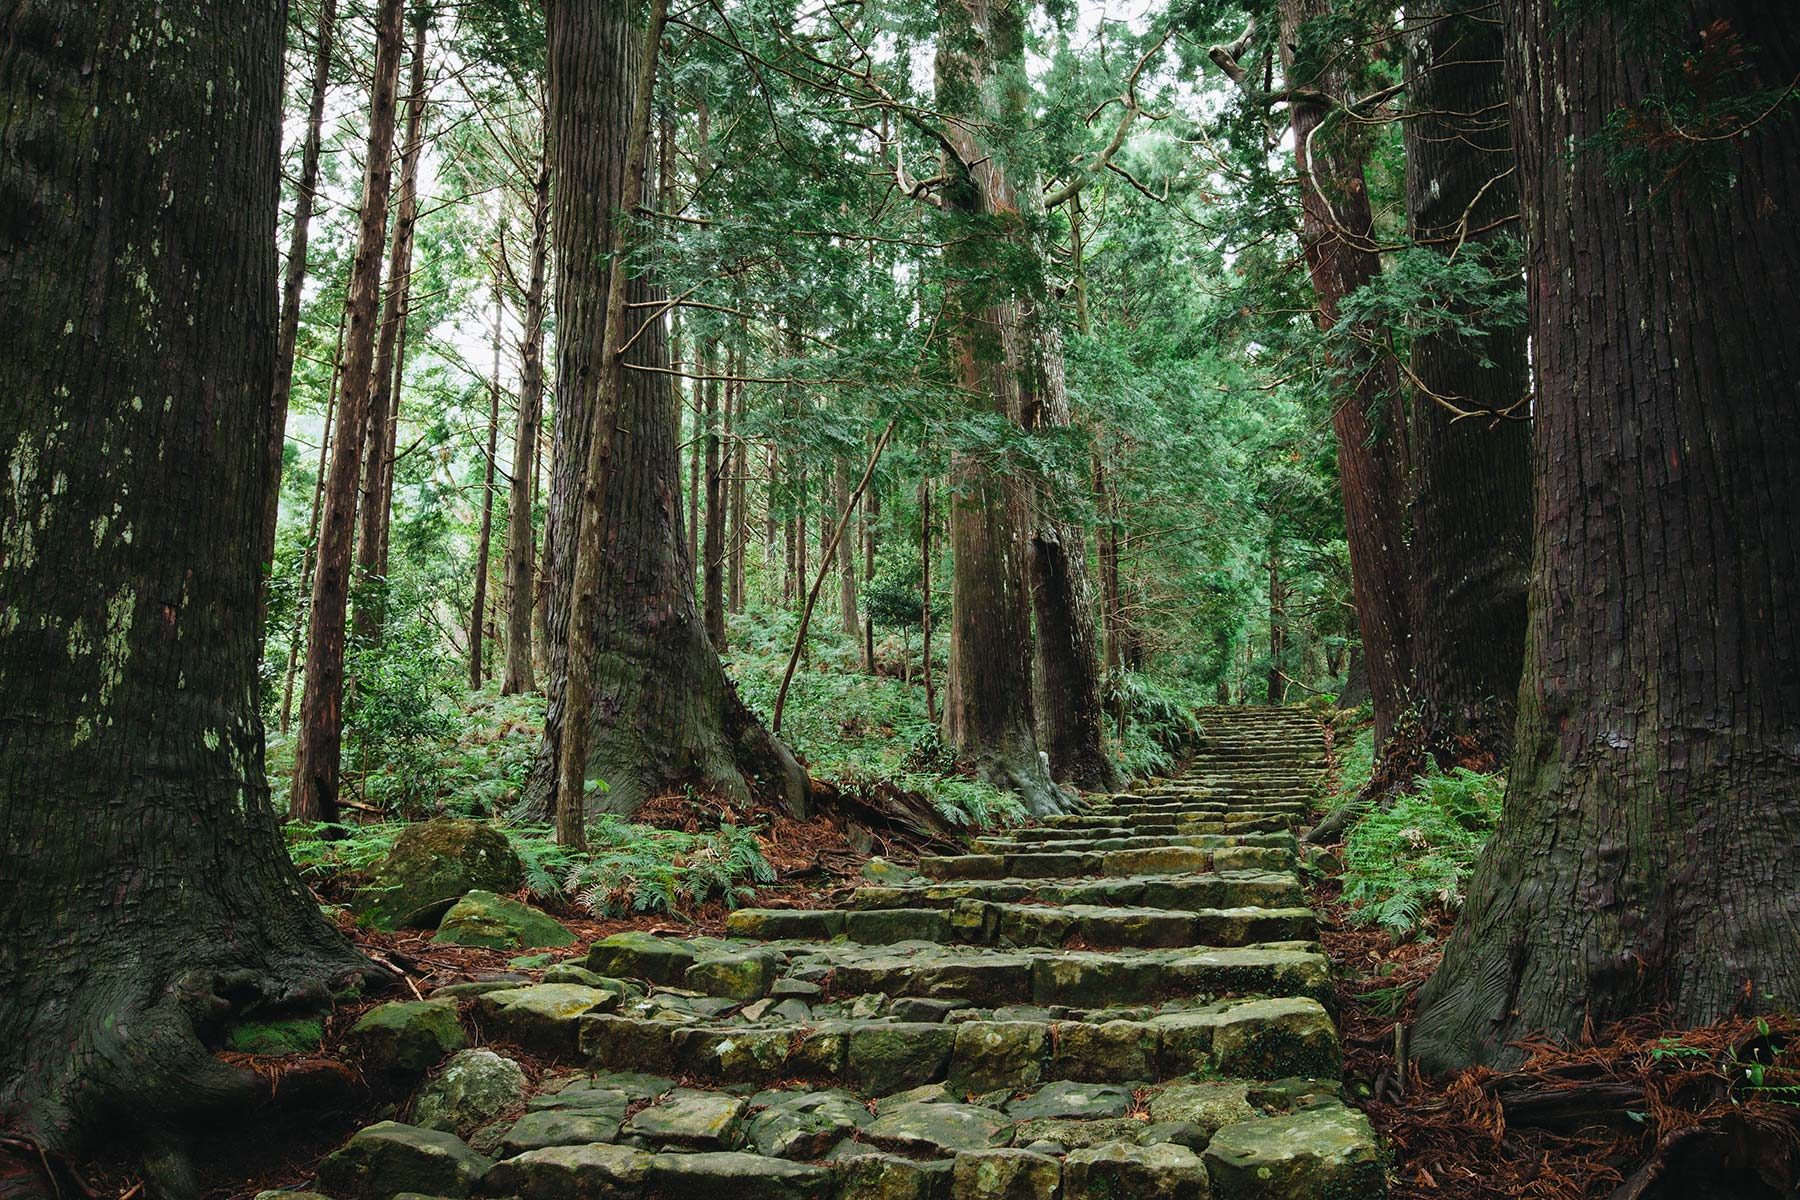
x,y
639,869
396,709
1159,721
1402,862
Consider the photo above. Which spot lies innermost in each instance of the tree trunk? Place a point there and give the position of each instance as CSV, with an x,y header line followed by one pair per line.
x,y
846,553
135,826
797,540
925,594
315,791
1336,234
989,712
1471,479
771,561
1277,620
663,713
1646,856
739,534
377,467
288,337
312,536
484,544
712,571
871,510
520,543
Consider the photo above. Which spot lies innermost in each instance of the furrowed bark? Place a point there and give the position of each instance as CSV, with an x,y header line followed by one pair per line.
x,y
150,897
1645,860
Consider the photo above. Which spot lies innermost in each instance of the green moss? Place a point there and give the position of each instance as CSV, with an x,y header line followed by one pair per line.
x,y
291,1035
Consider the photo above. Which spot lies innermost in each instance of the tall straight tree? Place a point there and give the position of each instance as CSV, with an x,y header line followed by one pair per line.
x,y
846,552
1336,233
989,713
314,796
520,544
663,714
1645,860
1470,476
712,544
150,896
484,542
384,401
294,281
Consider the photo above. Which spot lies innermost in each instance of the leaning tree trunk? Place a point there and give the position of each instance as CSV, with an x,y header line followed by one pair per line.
x,y
988,705
293,283
384,402
314,796
1646,856
520,558
1470,478
1336,233
663,712
150,897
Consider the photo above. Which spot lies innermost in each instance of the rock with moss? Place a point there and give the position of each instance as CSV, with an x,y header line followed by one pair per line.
x,y
991,1055
286,1035
634,955
1006,1175
807,1125
895,1057
691,1120
474,1088
432,865
869,1174
1210,1104
408,1037
738,1176
544,1019
741,976
389,1158
1119,1171
924,1127
491,922
584,1172
1325,1153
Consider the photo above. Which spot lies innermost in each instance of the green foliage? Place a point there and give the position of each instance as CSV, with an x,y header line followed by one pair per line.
x,y
1402,862
396,712
641,869
1159,721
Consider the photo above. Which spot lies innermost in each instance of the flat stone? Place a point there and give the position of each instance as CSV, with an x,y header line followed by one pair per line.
x,y
481,918
1210,1104
563,1127
737,1176
1078,1100
807,1125
889,925
1005,1175
894,1057
877,1176
544,1019
408,1037
474,1088
1076,1135
590,1172
387,1158
990,1055
1261,1039
622,1043
1321,1153
634,955
1116,1051
733,1054
740,977
690,1119
919,1008
801,924
938,1128
1158,1172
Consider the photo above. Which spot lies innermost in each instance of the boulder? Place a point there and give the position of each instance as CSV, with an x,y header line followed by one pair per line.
x,y
474,1087
634,955
493,922
1116,1051
388,1158
408,1037
1158,1172
1005,1175
741,977
1076,1135
572,1126
1318,1153
432,865
590,1172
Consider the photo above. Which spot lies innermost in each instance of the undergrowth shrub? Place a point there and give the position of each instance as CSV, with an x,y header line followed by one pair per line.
x,y
1414,857
1159,722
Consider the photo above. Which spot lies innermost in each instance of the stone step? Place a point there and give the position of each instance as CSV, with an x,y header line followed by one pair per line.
x,y
1223,889
995,923
1240,853
1258,1038
1246,826
1113,827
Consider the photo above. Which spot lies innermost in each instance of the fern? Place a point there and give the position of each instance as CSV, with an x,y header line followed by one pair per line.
x,y
1414,858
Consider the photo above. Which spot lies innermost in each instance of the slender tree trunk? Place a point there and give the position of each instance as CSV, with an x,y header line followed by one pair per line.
x,y
315,790
871,510
1278,633
521,554
1336,234
312,537
740,519
798,544
1471,479
377,479
660,712
846,553
150,897
484,543
713,544
294,282
925,594
771,563
1645,860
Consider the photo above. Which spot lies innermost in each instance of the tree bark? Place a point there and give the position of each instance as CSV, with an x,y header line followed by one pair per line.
x,y
1277,619
925,594
521,548
378,436
294,281
713,543
150,896
663,713
1336,234
1646,860
484,543
314,796
989,711
871,517
738,536
1471,479
846,552
312,535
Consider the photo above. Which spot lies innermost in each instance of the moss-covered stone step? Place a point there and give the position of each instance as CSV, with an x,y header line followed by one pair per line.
x,y
1255,1038
990,923
1219,889
1276,829
1242,854
1163,824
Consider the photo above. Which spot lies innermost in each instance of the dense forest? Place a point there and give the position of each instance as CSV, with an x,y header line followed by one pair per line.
x,y
872,599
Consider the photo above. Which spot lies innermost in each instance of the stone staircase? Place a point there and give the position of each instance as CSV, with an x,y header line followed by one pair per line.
x,y
1126,1002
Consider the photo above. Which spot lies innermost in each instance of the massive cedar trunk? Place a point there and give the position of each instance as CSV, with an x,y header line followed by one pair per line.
x,y
384,401
520,547
294,281
1646,856
1470,478
663,712
1336,227
150,897
315,791
988,706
